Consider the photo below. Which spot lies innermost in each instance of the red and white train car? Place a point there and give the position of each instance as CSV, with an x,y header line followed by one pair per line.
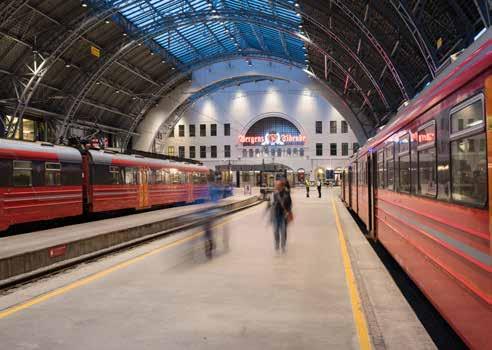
x,y
422,186
118,181
38,181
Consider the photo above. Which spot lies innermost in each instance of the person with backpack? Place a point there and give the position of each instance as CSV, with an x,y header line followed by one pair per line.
x,y
281,214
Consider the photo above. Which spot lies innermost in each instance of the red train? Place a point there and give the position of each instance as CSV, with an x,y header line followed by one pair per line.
x,y
41,181
422,186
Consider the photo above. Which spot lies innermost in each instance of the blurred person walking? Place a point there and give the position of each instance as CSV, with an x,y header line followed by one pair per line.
x,y
306,183
318,185
281,214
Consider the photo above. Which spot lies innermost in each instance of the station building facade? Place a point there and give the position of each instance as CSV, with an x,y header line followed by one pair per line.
x,y
252,131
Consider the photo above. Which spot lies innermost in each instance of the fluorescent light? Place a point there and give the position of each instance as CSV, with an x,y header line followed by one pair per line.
x,y
308,72
480,33
303,37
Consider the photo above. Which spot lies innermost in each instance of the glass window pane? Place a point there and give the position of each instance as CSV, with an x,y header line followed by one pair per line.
x,y
405,182
427,135
390,167
52,174
427,172
468,117
22,176
469,170
28,130
404,144
381,169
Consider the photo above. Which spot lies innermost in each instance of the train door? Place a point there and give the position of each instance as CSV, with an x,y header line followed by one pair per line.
x,y
143,188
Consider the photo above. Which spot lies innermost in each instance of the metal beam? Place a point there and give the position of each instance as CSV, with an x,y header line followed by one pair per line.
x,y
38,71
171,23
484,7
374,42
424,47
280,33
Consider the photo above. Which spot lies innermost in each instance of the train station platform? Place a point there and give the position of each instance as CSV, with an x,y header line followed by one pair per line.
x,y
327,291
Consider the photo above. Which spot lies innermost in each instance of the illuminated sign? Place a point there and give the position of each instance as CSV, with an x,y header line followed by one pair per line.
x,y
273,139
426,137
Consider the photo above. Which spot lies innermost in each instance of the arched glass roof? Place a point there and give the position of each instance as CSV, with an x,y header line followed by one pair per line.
x,y
201,39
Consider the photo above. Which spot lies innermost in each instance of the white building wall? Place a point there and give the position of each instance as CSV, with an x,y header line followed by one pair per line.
x,y
242,105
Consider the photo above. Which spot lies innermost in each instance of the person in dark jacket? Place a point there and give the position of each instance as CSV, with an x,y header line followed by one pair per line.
x,y
281,214
307,184
318,185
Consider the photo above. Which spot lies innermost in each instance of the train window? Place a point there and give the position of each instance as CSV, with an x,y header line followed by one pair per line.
x,y
404,163
199,178
115,175
52,174
22,173
468,153
159,177
390,166
380,169
130,176
426,160
175,177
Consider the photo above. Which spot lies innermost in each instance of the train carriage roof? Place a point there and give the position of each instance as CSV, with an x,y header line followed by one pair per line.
x,y
12,149
470,63
109,158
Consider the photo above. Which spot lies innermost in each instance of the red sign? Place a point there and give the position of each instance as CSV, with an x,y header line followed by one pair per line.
x,y
271,139
58,251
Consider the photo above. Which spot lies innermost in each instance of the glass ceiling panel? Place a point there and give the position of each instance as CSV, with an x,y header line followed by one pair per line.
x,y
202,40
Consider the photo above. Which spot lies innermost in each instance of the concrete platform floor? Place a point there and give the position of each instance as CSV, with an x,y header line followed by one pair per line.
x,y
167,295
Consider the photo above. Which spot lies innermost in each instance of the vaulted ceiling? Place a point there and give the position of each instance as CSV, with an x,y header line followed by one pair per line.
x,y
102,64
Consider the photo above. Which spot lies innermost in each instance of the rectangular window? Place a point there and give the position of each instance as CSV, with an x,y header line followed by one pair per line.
x,y
468,153
381,182
344,127
333,126
227,151
171,134
213,152
333,149
203,152
130,176
22,173
192,152
319,127
203,130
404,164
52,174
181,130
116,175
426,160
227,129
213,129
170,150
344,149
191,130
319,149
355,147
390,166
181,151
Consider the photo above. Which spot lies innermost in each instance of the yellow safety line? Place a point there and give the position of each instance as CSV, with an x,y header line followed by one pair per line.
x,y
86,280
357,311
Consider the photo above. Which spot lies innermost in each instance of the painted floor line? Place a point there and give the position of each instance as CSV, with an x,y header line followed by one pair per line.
x,y
98,275
357,311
